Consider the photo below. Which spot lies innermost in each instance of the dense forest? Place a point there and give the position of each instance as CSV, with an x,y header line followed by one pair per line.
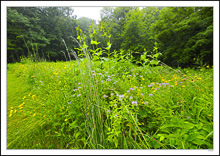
x,y
184,35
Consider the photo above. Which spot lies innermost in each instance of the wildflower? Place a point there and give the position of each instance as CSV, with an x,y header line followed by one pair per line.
x,y
199,78
65,120
105,96
34,114
59,82
207,66
121,96
171,86
99,73
11,111
79,87
78,95
44,116
115,105
15,111
108,79
134,102
24,97
142,79
93,71
69,102
21,110
102,81
131,97
116,115
64,67
183,86
150,94
141,87
108,110
128,91
62,108
79,83
131,88
145,102
209,115
75,90
142,94
112,94
10,115
33,96
184,75
32,76
29,94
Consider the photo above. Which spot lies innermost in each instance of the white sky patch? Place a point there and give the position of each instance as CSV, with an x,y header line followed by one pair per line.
x,y
90,12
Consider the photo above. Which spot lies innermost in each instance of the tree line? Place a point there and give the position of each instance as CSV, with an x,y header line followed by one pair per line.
x,y
184,35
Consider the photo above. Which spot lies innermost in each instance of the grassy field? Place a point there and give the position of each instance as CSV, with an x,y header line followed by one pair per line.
x,y
110,105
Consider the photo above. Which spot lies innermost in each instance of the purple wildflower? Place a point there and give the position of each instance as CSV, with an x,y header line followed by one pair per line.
x,y
145,102
134,102
150,94
104,96
131,97
78,95
69,102
131,88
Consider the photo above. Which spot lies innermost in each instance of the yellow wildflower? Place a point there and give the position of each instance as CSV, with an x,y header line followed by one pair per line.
x,y
64,67
11,111
209,115
33,96
10,115
11,108
44,115
141,84
142,78
65,120
21,110
207,66
184,75
15,111
34,114
24,97
32,76
183,86
199,78
62,108
29,94
59,82
20,107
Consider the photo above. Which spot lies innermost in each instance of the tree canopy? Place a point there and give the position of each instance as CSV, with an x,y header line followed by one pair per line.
x,y
184,34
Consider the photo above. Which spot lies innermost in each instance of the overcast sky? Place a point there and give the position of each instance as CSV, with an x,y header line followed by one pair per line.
x,y
90,12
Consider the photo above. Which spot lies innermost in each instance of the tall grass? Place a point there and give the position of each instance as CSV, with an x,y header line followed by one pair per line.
x,y
87,104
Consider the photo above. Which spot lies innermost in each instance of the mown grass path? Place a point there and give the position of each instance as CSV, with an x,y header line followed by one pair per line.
x,y
16,90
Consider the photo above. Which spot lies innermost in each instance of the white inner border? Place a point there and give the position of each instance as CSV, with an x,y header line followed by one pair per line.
x,y
5,4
